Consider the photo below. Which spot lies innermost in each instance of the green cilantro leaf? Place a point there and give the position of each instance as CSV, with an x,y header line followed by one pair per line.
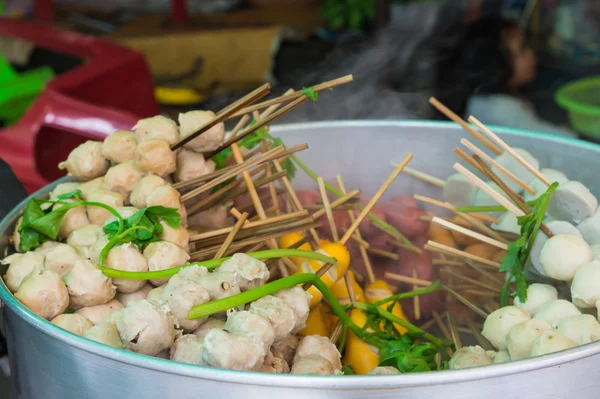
x,y
169,215
310,93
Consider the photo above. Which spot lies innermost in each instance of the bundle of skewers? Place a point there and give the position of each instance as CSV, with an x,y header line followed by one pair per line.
x,y
186,242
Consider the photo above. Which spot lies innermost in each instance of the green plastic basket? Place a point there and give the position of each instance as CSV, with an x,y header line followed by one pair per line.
x,y
581,99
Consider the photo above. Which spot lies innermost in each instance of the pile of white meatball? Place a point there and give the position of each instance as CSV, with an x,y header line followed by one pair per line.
x,y
571,258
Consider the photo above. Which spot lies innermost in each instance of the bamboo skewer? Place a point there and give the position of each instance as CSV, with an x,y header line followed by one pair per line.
x,y
407,279
297,94
482,227
358,239
337,202
375,198
470,233
510,150
257,183
236,228
452,208
453,330
471,281
328,212
463,155
273,190
466,302
225,113
362,250
452,116
483,342
490,191
437,247
498,166
436,181
416,300
441,325
381,252
483,272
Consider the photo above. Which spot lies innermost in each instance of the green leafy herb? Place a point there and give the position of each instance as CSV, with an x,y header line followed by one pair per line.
x,y
310,93
519,251
347,370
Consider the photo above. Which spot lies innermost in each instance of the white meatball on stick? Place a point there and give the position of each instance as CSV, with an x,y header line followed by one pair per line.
x,y
19,266
253,325
168,197
155,156
84,237
520,338
139,295
313,364
143,189
191,165
73,219
127,257
100,313
219,284
209,324
180,295
249,272
318,345
470,356
554,176
74,323
585,288
572,202
232,351
120,146
581,329
280,314
550,342
556,227
156,127
86,161
537,295
459,191
164,255
87,285
553,312
188,349
516,167
61,258
44,293
97,214
179,236
563,254
499,323
123,178
210,140
105,333
299,301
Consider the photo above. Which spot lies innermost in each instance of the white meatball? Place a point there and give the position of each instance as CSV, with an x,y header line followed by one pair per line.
x,y
384,370
91,186
193,272
249,272
87,285
164,255
100,313
143,189
318,345
181,295
179,236
537,295
74,218
44,293
15,238
96,248
499,323
60,189
156,127
145,328
127,257
520,338
554,176
155,156
459,191
98,215
585,288
274,365
514,166
209,324
251,324
563,254
549,342
191,121
105,333
155,294
61,258
596,251
168,197
188,349
84,237
470,356
572,202
20,265
46,247
299,300
285,348
123,178
590,229
553,312
86,161
501,357
140,294
219,284
120,146
74,323
556,227
581,329
280,314
508,223
232,351
313,364
191,165
115,316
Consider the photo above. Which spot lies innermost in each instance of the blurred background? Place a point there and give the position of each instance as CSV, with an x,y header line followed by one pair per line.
x,y
75,69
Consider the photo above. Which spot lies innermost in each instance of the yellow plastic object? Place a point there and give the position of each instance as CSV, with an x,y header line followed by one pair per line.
x,y
290,239
316,324
177,96
361,356
378,290
337,251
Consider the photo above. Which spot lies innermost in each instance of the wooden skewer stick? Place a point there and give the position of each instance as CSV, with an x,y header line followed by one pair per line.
x,y
225,113
436,181
446,262
489,190
257,183
416,300
273,190
453,330
427,325
510,150
437,247
231,235
375,198
363,250
452,116
470,233
466,302
322,270
471,281
383,253
463,155
337,202
328,212
482,227
483,342
238,126
450,207
407,279
295,95
359,240
485,273
441,325
258,125
497,165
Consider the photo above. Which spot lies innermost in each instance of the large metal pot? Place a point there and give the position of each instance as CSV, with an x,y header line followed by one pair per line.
x,y
47,362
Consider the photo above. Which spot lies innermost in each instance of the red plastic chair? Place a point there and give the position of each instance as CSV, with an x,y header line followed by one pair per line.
x,y
111,90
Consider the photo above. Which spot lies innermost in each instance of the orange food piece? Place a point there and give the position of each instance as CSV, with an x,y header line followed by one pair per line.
x,y
460,238
441,235
482,250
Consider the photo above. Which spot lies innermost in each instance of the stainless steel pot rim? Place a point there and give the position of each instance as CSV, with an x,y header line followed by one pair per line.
x,y
317,382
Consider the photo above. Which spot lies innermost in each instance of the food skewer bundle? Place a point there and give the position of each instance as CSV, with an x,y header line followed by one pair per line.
x,y
184,242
